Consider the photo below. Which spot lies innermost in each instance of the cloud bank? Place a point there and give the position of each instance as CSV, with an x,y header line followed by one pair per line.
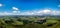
x,y
42,12
16,11
35,12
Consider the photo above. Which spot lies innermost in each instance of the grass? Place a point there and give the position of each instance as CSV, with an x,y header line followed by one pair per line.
x,y
50,23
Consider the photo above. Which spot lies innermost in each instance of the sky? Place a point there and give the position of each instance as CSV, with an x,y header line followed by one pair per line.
x,y
29,7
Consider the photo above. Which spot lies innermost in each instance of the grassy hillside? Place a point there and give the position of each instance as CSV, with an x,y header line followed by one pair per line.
x,y
29,22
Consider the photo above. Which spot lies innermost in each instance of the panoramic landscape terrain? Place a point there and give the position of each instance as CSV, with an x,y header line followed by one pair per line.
x,y
29,13
29,21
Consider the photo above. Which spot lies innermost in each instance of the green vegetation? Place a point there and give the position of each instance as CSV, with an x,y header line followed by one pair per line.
x,y
29,22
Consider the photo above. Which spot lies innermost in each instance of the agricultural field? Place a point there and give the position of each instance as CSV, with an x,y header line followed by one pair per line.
x,y
29,21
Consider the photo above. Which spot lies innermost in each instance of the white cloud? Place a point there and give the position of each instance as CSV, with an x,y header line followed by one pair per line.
x,y
46,11
16,12
1,5
55,13
41,12
36,12
15,9
27,13
5,13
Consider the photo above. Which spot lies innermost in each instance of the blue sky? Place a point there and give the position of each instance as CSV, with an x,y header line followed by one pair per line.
x,y
29,5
